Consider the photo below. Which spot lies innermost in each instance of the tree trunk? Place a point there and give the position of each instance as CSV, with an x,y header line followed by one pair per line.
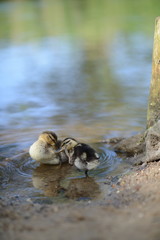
x,y
153,114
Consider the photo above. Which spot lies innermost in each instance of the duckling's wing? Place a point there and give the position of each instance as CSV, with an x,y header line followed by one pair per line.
x,y
92,156
79,152
91,153
85,152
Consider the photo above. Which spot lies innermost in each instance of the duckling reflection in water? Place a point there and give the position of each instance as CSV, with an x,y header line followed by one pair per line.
x,y
80,154
48,178
54,181
44,149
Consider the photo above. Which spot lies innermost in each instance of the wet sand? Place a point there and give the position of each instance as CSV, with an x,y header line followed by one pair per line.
x,y
130,211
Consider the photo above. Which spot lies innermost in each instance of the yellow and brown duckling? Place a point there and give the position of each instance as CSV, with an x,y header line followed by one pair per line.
x,y
44,149
80,154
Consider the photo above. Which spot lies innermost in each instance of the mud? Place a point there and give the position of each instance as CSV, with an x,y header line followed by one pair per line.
x,y
130,211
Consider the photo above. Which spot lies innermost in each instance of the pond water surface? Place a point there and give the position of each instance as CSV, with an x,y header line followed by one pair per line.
x,y
74,68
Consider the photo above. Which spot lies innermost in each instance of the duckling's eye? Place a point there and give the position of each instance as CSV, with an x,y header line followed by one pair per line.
x,y
65,143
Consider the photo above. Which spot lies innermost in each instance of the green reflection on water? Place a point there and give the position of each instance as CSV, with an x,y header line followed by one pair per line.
x,y
90,19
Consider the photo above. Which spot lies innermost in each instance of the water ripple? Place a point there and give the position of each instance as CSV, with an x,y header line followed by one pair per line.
x,y
21,173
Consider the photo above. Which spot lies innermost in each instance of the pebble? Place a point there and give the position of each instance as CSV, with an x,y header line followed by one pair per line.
x,y
55,209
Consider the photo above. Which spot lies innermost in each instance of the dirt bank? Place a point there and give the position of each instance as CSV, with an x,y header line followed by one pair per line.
x,y
131,211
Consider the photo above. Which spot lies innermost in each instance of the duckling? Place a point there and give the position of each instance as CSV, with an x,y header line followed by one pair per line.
x,y
80,154
44,149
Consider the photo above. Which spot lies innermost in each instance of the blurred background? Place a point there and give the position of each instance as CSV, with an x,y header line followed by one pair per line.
x,y
78,67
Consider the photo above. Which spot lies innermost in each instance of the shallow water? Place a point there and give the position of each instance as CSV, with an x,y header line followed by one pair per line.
x,y
22,178
74,69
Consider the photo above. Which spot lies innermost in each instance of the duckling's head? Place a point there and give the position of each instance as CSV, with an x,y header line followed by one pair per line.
x,y
48,137
68,143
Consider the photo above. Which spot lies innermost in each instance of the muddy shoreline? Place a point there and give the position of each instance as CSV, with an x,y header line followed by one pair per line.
x,y
130,211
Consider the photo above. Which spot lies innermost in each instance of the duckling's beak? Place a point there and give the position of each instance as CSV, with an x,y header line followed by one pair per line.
x,y
59,150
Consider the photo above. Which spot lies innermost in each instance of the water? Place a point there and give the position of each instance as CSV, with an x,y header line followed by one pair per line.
x,y
77,69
